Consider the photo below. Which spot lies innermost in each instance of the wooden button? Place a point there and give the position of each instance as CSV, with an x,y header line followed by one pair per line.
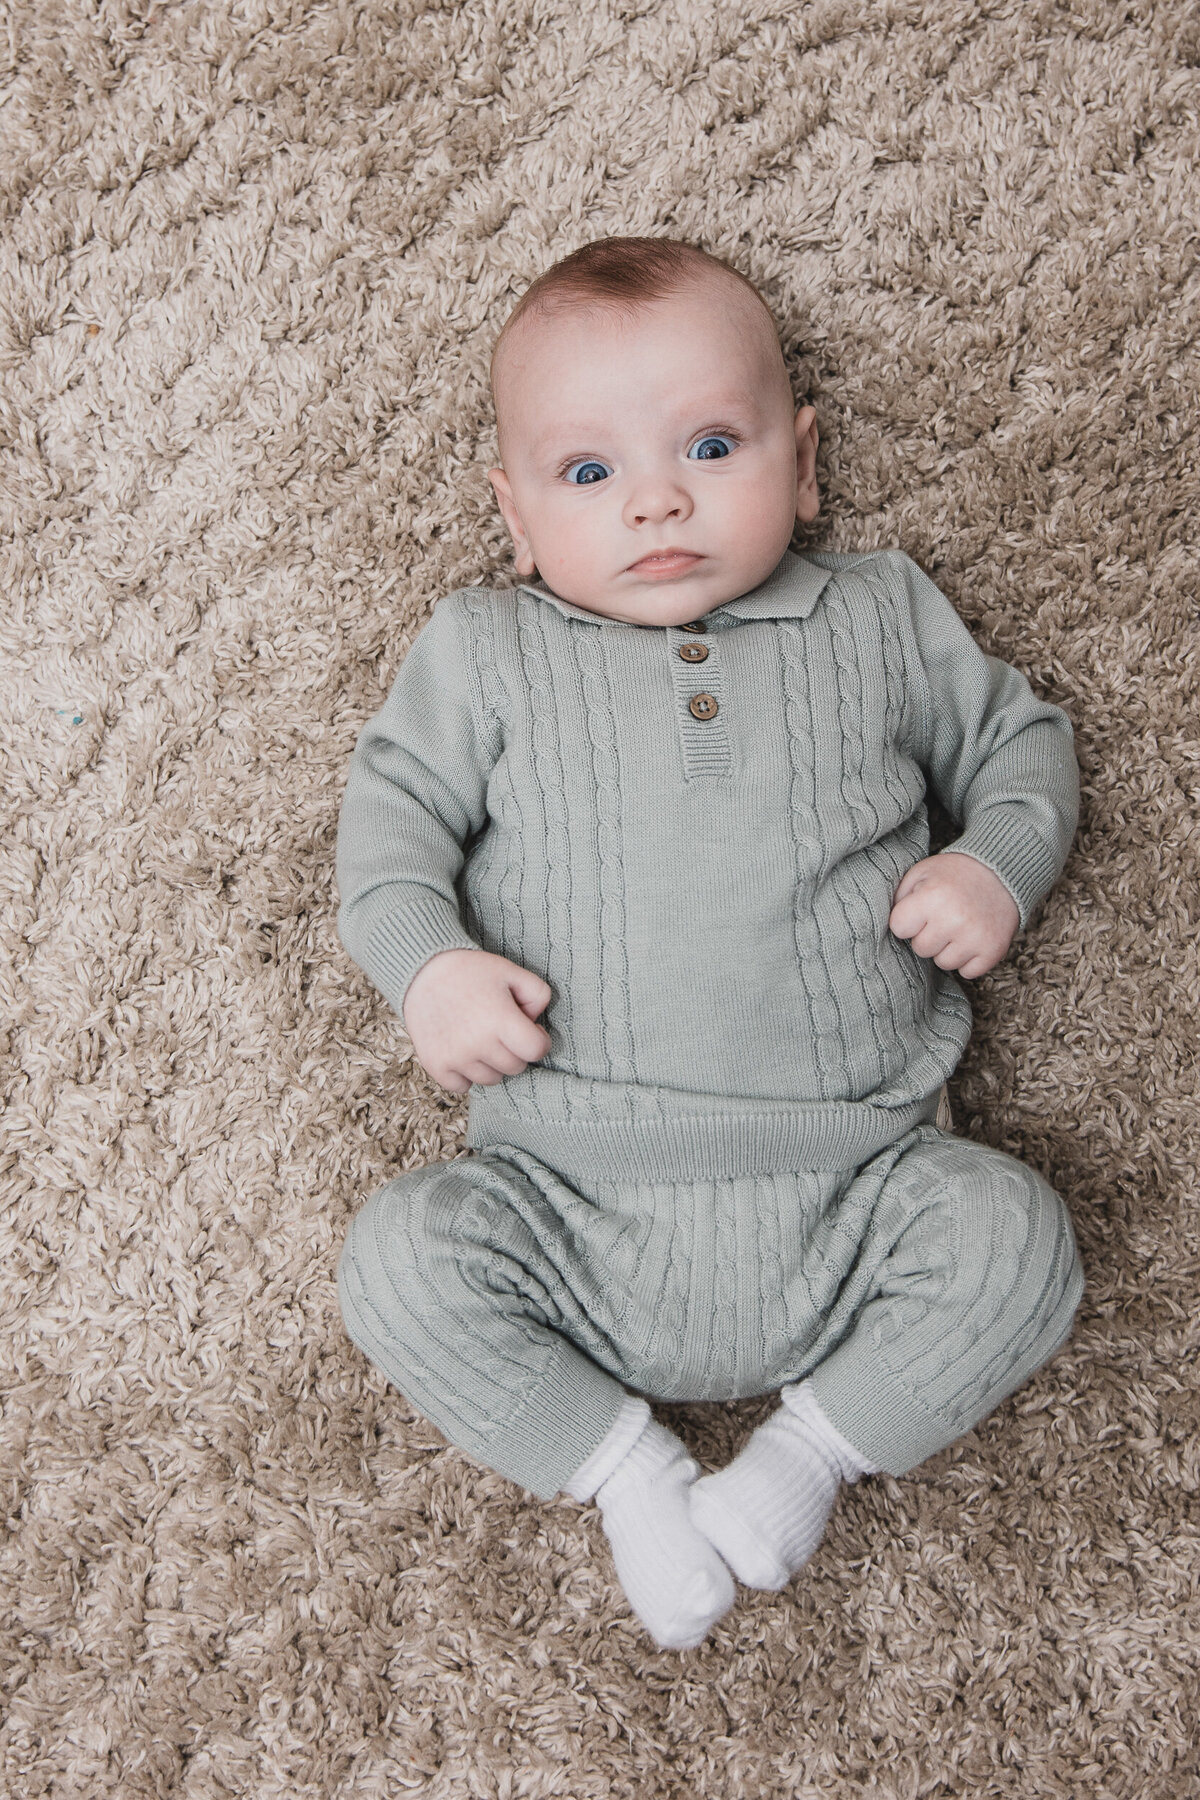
x,y
691,628
703,706
693,652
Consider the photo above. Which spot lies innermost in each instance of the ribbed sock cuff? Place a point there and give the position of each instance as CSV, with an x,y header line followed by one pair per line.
x,y
800,1399
627,1428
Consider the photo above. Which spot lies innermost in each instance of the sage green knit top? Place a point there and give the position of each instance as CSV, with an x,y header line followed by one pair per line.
x,y
694,836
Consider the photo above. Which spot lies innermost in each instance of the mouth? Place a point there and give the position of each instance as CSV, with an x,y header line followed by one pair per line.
x,y
663,565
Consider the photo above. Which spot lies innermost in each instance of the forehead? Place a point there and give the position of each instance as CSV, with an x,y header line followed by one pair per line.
x,y
712,337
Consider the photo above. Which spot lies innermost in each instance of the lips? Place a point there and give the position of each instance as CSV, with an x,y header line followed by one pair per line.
x,y
662,564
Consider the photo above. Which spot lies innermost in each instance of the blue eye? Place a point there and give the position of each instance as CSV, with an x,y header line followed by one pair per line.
x,y
583,474
708,449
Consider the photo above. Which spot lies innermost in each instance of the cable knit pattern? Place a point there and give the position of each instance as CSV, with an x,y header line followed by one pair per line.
x,y
550,902
516,1311
609,889
891,1012
727,997
479,654
828,1045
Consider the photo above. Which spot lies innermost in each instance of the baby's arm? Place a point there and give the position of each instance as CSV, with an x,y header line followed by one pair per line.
x,y
1003,764
415,794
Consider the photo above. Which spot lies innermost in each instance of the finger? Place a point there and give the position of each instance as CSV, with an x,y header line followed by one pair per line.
x,y
931,940
529,991
482,1074
907,917
913,878
979,964
906,885
950,956
453,1080
919,909
506,1060
523,1038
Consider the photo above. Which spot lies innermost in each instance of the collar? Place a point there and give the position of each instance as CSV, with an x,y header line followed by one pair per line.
x,y
790,591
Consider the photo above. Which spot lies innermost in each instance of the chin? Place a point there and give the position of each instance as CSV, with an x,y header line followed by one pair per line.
x,y
668,609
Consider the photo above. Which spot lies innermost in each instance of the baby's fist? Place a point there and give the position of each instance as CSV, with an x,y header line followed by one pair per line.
x,y
956,911
471,1016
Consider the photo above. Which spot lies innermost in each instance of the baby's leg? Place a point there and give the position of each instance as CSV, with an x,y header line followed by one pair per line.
x,y
967,1280
468,1283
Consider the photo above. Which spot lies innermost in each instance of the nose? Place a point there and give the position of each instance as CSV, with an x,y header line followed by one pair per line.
x,y
655,499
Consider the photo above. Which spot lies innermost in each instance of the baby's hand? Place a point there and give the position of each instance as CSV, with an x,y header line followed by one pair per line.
x,y
956,911
471,1015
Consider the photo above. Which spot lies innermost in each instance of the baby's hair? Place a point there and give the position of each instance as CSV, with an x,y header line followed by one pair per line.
x,y
621,272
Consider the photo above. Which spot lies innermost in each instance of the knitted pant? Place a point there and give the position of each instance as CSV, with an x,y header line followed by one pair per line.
x,y
515,1311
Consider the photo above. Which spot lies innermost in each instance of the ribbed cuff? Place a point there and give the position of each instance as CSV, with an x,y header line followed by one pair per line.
x,y
1024,862
568,1408
403,942
887,1426
627,1428
569,1412
697,1147
800,1399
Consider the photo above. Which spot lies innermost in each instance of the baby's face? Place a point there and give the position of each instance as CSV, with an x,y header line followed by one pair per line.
x,y
653,465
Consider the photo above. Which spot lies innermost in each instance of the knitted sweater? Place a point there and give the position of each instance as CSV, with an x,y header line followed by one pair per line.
x,y
694,837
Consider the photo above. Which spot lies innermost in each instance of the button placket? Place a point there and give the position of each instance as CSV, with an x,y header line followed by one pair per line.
x,y
703,738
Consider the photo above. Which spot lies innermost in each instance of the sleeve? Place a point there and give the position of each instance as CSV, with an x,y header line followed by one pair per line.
x,y
416,791
1001,761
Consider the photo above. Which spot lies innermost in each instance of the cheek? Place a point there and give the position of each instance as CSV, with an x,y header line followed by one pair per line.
x,y
758,510
568,538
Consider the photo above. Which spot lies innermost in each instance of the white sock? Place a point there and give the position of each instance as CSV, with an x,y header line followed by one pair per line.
x,y
623,1434
673,1578
766,1513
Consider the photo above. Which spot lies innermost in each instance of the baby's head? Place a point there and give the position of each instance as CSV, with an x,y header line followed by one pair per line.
x,y
653,463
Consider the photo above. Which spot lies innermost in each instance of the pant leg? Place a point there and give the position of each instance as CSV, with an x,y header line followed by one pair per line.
x,y
968,1281
462,1282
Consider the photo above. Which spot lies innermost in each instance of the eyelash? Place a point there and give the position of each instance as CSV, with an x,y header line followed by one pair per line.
x,y
731,436
576,462
734,437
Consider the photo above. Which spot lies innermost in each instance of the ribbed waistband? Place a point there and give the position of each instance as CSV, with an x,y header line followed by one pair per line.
x,y
699,1145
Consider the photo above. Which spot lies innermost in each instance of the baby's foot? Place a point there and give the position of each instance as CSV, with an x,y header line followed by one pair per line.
x,y
673,1578
766,1513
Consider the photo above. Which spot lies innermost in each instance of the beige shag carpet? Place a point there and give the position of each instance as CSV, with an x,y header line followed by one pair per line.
x,y
253,256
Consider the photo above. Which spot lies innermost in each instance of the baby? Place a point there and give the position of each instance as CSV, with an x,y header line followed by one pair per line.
x,y
640,851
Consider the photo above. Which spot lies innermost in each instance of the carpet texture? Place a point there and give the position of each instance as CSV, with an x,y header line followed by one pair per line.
x,y
252,258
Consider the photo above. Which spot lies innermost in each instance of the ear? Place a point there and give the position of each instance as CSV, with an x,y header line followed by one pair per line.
x,y
512,518
808,498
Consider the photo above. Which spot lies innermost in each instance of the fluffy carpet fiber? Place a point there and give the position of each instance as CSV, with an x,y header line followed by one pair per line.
x,y
252,257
